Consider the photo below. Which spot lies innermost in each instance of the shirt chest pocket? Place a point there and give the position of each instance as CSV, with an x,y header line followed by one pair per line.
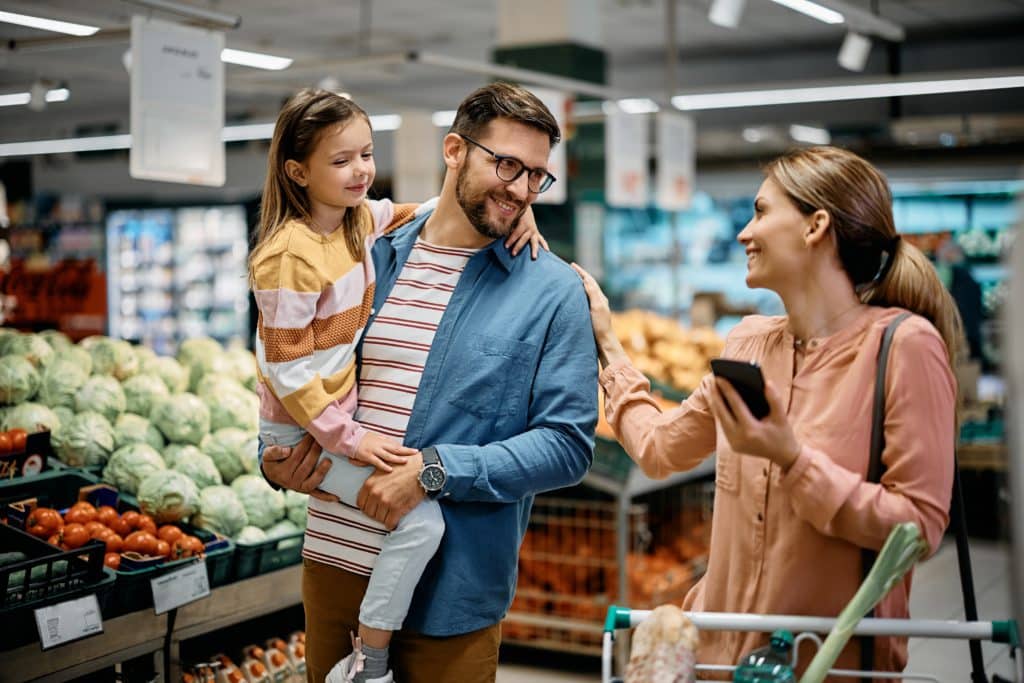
x,y
491,376
727,467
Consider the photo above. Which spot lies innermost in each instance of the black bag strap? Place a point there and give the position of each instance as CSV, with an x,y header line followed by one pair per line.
x,y
874,475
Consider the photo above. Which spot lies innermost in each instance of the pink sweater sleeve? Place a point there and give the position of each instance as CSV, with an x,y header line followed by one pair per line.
x,y
336,429
918,456
660,442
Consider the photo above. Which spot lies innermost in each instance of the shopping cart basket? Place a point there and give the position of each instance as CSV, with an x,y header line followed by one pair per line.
x,y
1006,632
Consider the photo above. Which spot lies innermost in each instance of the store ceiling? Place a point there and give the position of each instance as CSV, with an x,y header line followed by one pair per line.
x,y
325,38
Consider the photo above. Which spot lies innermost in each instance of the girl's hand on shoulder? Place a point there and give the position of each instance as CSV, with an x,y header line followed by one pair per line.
x,y
770,438
526,233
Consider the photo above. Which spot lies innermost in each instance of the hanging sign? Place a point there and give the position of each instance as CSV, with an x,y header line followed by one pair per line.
x,y
677,152
626,174
560,105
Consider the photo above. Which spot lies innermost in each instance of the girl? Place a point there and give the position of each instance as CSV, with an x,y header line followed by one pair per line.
x,y
792,507
313,280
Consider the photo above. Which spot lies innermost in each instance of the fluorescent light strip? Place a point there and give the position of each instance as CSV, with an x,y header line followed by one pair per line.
x,y
16,98
48,24
813,10
444,119
255,59
810,134
385,122
838,93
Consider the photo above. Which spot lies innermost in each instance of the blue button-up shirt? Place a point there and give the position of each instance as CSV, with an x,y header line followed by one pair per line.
x,y
508,397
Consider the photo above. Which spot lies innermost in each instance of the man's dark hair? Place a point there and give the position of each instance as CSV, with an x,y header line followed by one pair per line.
x,y
505,101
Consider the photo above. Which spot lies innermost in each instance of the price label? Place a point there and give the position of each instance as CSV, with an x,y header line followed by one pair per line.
x,y
68,621
180,587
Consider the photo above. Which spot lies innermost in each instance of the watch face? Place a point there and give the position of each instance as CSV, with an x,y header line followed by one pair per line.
x,y
433,478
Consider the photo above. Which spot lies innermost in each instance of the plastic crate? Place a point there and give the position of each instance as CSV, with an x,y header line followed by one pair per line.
x,y
260,558
610,460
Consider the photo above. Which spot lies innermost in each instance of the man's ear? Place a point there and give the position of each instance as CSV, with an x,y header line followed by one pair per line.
x,y
454,148
818,228
296,171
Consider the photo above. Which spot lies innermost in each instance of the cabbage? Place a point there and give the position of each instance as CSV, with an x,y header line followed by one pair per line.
x,y
58,341
228,448
61,381
64,414
140,391
102,394
282,529
220,511
32,417
295,504
183,418
87,439
92,340
201,356
241,364
131,428
239,408
130,464
263,505
213,384
168,496
198,466
76,355
114,357
143,354
251,535
33,347
173,373
174,451
19,380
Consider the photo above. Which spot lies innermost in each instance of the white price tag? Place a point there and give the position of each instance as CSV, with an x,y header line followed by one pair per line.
x,y
67,621
180,587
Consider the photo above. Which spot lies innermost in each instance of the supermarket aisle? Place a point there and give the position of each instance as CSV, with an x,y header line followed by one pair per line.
x,y
936,596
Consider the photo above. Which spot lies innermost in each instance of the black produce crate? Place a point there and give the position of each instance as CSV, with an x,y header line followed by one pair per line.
x,y
30,462
253,559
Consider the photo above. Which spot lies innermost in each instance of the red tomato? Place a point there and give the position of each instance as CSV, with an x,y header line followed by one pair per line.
x,y
106,514
6,445
115,543
112,560
81,512
54,540
146,523
96,530
18,438
169,533
120,527
141,542
74,535
43,522
131,518
163,548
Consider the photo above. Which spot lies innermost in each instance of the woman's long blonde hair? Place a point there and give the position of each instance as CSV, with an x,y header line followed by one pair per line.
x,y
299,125
885,269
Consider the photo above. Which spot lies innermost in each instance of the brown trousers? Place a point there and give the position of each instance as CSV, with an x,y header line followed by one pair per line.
x,y
331,599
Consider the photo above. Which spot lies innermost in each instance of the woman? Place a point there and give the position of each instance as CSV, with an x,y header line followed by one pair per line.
x,y
792,508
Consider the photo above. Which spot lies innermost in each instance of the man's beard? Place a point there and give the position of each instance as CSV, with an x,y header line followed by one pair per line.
x,y
474,205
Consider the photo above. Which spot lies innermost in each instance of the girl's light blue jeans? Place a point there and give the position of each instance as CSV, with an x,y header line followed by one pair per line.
x,y
405,551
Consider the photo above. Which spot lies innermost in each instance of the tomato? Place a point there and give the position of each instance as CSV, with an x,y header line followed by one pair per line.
x,y
18,439
141,542
106,514
169,533
131,518
74,535
194,544
163,548
43,522
115,543
55,540
96,529
6,445
146,523
112,560
186,546
120,527
81,512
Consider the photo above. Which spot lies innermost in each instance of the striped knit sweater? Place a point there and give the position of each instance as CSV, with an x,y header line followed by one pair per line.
x,y
314,301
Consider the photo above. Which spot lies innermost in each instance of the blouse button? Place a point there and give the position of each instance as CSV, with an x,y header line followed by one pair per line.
x,y
760,517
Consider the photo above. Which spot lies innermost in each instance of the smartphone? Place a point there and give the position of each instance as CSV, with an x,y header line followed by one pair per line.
x,y
748,381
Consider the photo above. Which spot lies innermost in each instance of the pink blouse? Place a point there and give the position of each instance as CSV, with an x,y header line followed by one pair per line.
x,y
789,542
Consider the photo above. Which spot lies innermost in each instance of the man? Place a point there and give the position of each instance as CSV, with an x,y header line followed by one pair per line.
x,y
485,363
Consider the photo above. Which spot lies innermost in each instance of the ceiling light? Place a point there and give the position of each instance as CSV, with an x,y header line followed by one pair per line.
x,y
638,105
16,98
853,55
752,135
813,10
837,93
48,24
444,119
810,134
255,59
726,13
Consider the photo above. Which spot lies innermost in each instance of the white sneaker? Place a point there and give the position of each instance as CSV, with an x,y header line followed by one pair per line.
x,y
345,671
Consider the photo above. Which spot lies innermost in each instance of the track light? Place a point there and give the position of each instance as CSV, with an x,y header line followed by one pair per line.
x,y
726,13
853,55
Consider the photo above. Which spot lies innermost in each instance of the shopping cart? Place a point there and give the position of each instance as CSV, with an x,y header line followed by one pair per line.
x,y
808,628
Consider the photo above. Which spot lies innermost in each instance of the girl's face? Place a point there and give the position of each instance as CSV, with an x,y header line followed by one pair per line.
x,y
340,170
777,252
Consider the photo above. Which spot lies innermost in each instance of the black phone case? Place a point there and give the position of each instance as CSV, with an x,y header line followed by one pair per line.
x,y
748,381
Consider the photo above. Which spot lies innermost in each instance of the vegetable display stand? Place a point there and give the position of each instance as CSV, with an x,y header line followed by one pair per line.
x,y
253,559
1006,632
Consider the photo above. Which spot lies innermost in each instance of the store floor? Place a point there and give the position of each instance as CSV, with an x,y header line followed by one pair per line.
x,y
936,596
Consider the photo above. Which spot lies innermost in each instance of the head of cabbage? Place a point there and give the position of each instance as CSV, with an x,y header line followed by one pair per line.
x,y
241,364
295,504
113,357
183,418
131,428
201,355
103,394
86,439
232,450
60,382
130,464
56,339
19,380
220,511
32,417
263,505
198,466
140,391
168,496
173,373
30,346
239,408
174,451
76,355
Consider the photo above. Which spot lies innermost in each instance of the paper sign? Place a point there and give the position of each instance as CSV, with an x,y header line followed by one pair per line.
x,y
68,621
626,174
177,103
180,587
559,103
677,166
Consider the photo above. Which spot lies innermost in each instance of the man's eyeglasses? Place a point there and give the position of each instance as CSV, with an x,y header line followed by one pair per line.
x,y
508,169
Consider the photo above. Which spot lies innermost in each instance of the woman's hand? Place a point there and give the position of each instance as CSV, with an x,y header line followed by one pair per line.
x,y
298,468
771,438
608,347
526,232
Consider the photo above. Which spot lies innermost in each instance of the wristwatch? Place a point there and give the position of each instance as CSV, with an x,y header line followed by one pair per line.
x,y
433,475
